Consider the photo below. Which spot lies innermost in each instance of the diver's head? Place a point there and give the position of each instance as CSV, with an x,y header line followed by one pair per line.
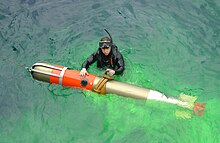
x,y
105,45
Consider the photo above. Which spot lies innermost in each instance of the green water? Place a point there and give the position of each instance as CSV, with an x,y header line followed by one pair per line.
x,y
172,46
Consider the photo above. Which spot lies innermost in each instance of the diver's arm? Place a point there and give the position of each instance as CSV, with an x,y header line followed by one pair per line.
x,y
90,60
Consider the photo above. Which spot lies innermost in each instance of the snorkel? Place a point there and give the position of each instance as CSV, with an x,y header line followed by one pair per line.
x,y
106,42
109,35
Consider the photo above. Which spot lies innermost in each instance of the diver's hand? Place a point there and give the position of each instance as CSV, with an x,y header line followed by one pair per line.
x,y
83,72
110,72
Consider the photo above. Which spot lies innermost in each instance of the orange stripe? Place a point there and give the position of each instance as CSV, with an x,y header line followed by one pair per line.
x,y
72,78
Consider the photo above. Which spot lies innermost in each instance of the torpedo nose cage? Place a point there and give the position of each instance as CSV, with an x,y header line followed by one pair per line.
x,y
61,75
48,73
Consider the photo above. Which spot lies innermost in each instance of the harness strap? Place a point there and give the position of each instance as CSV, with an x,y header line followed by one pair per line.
x,y
101,85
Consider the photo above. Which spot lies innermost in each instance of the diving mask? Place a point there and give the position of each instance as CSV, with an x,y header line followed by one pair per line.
x,y
105,44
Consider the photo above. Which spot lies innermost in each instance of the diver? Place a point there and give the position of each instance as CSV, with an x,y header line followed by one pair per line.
x,y
107,56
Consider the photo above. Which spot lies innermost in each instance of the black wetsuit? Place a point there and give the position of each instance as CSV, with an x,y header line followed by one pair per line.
x,y
113,61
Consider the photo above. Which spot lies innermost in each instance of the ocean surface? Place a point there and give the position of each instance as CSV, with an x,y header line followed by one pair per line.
x,y
172,46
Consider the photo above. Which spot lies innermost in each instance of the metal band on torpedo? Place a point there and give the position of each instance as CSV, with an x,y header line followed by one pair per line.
x,y
61,75
47,66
